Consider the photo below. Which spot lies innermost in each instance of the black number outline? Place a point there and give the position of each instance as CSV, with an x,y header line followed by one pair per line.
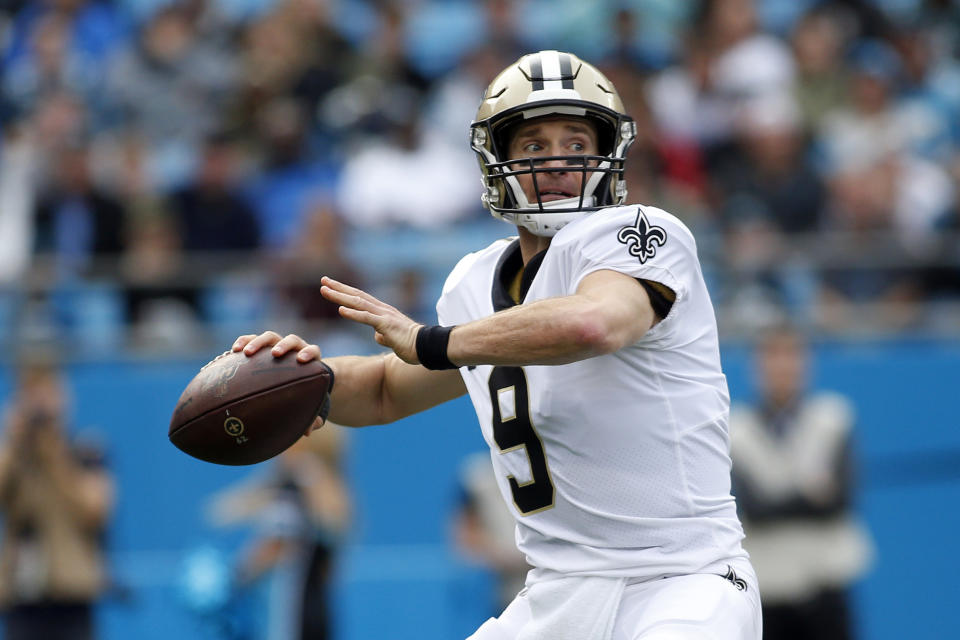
x,y
539,493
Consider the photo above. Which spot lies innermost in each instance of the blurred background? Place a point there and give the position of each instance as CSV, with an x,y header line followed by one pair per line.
x,y
176,173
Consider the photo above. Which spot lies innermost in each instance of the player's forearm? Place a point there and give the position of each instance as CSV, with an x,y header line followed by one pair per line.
x,y
357,396
554,331
380,389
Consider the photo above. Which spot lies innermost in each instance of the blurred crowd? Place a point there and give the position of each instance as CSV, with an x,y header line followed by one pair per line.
x,y
167,164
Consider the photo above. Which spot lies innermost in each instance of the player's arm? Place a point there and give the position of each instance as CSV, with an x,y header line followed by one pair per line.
x,y
367,389
608,311
383,388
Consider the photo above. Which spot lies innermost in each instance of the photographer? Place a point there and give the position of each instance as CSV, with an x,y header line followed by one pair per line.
x,y
55,500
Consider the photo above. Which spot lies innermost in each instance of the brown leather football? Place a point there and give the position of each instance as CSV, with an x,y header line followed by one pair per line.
x,y
246,409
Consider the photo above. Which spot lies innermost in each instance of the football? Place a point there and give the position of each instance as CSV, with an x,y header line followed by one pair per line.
x,y
242,409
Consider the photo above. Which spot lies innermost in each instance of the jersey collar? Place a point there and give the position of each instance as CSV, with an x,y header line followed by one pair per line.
x,y
511,261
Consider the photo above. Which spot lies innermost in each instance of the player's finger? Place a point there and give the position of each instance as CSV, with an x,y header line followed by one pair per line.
x,y
333,295
348,299
363,317
242,341
345,288
265,339
290,342
373,302
316,424
308,353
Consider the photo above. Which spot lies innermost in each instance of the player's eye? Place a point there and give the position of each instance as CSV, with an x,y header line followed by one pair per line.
x,y
578,147
532,147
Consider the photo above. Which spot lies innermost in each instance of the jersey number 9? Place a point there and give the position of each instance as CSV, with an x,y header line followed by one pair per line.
x,y
512,429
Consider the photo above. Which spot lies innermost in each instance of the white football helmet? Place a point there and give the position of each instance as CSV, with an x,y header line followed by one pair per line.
x,y
550,83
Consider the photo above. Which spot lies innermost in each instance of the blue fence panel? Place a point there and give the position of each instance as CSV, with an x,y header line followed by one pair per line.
x,y
397,576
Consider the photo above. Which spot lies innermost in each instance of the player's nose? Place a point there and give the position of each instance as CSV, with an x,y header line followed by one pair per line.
x,y
554,163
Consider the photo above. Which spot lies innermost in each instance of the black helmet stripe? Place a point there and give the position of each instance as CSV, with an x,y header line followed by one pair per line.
x,y
536,72
566,71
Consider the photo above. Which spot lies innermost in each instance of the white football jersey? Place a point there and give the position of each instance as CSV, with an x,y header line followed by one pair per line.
x,y
619,464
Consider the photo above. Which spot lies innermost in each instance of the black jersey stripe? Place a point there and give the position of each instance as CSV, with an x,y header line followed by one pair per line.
x,y
536,73
509,263
566,71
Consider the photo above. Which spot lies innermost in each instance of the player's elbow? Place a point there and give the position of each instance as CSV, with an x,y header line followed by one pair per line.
x,y
595,332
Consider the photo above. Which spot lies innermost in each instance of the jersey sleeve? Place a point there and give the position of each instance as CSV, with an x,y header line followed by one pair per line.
x,y
641,242
461,287
445,305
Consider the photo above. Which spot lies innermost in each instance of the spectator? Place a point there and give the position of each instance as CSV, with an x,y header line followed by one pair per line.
x,y
211,213
17,167
769,168
746,63
77,224
503,30
291,177
397,166
50,66
301,510
317,250
869,128
687,119
484,529
96,29
794,482
294,50
927,105
161,300
452,97
56,501
387,97
941,280
385,92
866,285
170,87
770,201
821,88
327,58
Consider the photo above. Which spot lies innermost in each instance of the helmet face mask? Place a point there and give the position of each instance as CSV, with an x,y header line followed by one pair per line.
x,y
550,84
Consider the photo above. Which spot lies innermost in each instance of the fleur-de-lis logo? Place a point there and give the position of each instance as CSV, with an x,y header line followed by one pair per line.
x,y
642,238
737,581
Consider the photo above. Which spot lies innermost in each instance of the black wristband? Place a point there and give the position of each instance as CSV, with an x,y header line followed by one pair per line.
x,y
432,347
325,407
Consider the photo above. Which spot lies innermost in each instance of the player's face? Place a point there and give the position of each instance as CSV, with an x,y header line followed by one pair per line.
x,y
545,137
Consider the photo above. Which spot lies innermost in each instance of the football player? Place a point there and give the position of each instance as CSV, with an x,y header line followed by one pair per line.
x,y
588,345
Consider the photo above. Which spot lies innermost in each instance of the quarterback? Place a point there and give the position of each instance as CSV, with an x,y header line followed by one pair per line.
x,y
588,346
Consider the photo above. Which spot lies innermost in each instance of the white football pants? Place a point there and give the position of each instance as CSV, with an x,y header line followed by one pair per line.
x,y
690,607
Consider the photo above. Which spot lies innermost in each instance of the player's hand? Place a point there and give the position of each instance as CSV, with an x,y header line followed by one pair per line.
x,y
251,343
279,346
393,329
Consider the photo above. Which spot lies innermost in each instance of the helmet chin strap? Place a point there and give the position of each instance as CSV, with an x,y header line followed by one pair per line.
x,y
542,224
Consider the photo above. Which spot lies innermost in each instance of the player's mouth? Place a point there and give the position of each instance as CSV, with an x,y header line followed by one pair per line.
x,y
548,195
